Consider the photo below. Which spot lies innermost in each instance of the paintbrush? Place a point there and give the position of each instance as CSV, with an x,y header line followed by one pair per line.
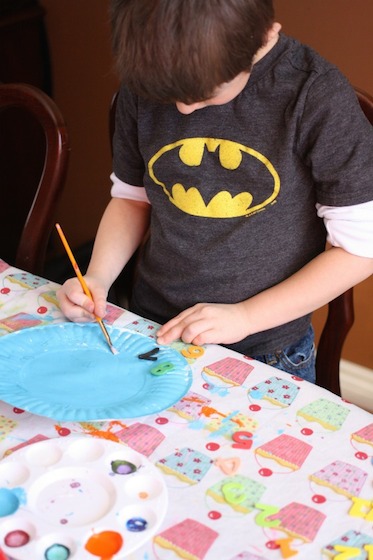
x,y
84,285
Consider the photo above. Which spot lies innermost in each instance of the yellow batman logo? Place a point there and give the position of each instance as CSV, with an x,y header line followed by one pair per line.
x,y
223,204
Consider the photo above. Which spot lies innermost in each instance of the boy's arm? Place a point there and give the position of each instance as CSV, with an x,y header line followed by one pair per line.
x,y
324,278
121,230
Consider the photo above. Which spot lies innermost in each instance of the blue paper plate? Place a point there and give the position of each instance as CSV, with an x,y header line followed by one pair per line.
x,y
67,372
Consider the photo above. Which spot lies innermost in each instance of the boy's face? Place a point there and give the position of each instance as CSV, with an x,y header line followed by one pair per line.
x,y
223,94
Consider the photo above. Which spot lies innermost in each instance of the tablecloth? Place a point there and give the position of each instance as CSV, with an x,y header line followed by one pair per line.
x,y
259,464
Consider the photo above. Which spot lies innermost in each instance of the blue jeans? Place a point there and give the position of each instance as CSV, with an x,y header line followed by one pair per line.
x,y
297,358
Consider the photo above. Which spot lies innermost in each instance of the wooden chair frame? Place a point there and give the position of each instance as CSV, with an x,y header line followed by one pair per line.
x,y
31,249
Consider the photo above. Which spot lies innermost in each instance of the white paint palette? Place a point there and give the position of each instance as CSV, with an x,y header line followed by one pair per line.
x,y
78,498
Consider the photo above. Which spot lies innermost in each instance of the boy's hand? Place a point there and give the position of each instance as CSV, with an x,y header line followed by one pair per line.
x,y
205,323
76,305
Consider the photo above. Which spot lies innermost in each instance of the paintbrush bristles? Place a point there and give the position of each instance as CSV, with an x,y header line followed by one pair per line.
x,y
108,339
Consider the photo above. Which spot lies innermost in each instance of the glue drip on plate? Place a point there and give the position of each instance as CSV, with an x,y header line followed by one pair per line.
x,y
104,544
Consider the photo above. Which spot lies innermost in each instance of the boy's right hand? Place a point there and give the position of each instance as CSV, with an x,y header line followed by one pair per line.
x,y
76,305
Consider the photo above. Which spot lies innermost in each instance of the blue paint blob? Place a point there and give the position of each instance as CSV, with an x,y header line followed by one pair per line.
x,y
9,502
136,524
57,552
21,495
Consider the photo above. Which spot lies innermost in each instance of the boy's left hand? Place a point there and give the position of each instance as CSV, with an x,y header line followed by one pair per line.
x,y
205,323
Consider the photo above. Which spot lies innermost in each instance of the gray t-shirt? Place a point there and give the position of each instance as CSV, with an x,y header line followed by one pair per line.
x,y
233,187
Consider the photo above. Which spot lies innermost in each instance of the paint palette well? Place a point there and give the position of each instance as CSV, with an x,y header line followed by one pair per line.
x,y
78,498
67,372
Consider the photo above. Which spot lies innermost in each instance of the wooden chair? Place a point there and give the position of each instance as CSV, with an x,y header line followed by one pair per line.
x,y
33,129
340,315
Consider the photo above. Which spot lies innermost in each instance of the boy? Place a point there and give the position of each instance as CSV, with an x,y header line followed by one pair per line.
x,y
239,150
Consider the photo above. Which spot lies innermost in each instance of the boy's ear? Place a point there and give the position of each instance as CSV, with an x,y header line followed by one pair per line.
x,y
273,32
271,40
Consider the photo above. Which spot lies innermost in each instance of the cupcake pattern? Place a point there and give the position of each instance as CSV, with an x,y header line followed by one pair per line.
x,y
349,540
239,492
229,370
341,477
187,464
329,414
299,521
188,539
275,390
286,450
221,452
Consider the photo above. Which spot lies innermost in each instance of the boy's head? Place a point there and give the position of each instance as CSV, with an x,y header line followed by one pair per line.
x,y
182,50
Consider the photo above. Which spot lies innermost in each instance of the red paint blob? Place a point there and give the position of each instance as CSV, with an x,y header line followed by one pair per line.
x,y
265,472
206,386
5,290
361,455
318,499
16,538
214,514
307,432
18,410
212,446
161,420
255,407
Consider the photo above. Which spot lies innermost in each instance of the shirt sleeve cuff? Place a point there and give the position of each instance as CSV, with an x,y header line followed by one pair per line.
x,y
349,227
120,189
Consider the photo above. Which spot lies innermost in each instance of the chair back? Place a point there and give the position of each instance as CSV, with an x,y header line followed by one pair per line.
x,y
34,149
340,316
112,111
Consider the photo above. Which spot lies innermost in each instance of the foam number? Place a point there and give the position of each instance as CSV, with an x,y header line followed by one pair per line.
x,y
369,549
233,492
149,355
161,369
346,552
228,466
369,516
285,549
261,518
193,352
361,508
242,440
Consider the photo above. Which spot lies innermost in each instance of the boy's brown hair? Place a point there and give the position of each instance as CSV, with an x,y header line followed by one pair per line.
x,y
182,50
